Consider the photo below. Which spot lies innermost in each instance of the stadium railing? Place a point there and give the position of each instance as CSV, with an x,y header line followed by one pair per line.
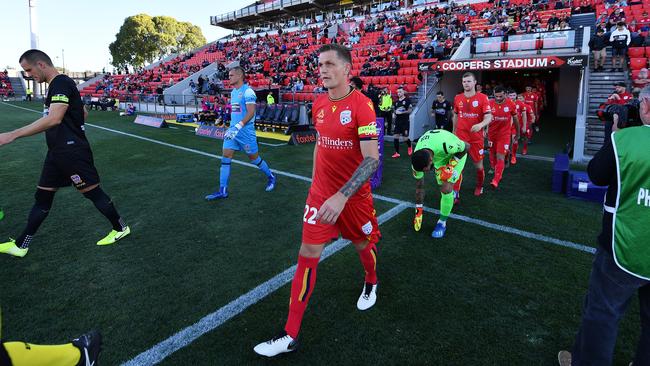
x,y
552,40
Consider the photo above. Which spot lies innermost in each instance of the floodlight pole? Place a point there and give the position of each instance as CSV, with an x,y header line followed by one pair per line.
x,y
33,31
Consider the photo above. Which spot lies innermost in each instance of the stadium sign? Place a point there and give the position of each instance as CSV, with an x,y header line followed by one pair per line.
x,y
538,62
303,137
150,121
212,132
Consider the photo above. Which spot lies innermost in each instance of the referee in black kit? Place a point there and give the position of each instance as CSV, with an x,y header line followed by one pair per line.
x,y
69,159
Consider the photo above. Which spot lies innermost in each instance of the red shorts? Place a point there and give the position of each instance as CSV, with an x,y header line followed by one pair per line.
x,y
500,145
357,222
476,143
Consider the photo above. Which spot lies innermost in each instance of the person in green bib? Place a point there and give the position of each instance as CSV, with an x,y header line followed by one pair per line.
x,y
444,153
621,268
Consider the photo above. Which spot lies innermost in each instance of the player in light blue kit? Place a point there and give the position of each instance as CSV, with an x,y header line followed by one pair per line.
x,y
241,134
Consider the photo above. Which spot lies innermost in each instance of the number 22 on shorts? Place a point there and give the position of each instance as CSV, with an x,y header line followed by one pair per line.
x,y
310,215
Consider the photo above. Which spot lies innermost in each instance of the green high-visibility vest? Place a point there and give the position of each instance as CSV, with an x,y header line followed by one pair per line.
x,y
269,99
631,215
386,103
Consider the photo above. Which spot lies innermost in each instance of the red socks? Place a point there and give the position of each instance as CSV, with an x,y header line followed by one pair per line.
x,y
515,146
498,170
368,258
302,287
480,177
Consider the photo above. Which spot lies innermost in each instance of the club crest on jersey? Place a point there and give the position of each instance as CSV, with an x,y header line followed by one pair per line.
x,y
367,228
345,117
475,103
506,109
320,116
76,179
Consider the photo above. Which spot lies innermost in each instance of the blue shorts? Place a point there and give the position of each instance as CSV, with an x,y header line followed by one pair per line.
x,y
245,140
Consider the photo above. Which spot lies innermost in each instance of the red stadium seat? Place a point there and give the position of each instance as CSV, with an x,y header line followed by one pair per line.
x,y
636,52
638,63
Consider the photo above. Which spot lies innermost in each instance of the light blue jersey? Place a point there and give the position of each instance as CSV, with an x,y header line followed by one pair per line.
x,y
246,139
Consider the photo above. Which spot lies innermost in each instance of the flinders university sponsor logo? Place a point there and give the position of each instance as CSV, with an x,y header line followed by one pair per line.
x,y
335,144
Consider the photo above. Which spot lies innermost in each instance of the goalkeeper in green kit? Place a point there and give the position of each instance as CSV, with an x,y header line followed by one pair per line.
x,y
445,153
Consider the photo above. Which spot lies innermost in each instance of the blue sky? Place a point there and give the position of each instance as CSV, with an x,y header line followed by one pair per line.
x,y
84,29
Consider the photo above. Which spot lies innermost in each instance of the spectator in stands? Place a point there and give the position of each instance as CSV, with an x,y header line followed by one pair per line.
x,y
598,44
620,39
642,79
357,83
620,95
620,268
193,87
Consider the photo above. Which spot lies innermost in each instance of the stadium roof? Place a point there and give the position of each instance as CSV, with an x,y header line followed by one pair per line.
x,y
262,12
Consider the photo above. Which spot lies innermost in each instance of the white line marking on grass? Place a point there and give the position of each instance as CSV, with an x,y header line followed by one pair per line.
x,y
212,321
272,145
498,227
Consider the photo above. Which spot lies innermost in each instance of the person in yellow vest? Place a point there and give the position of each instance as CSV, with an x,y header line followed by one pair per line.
x,y
621,268
269,99
386,109
81,351
116,104
30,94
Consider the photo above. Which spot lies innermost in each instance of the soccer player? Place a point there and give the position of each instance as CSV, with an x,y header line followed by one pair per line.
x,y
530,120
69,159
403,109
339,201
442,151
81,351
531,98
504,113
522,116
241,134
471,115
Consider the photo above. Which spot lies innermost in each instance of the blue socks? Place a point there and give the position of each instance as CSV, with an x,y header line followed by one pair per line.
x,y
224,173
264,167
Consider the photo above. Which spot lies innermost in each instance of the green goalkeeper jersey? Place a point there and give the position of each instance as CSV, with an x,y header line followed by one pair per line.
x,y
444,145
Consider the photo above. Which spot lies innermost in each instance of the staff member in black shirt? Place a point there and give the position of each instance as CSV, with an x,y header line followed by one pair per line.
x,y
401,111
69,159
440,111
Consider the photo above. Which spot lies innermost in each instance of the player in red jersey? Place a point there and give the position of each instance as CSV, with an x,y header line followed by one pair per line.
x,y
532,99
528,131
515,133
339,200
504,113
471,115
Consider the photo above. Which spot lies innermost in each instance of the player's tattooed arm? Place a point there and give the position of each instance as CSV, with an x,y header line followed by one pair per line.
x,y
419,191
365,170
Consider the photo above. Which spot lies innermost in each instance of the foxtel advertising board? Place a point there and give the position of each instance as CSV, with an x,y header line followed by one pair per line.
x,y
514,63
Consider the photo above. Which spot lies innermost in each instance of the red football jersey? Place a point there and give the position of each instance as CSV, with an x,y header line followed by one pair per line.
x,y
471,110
341,125
624,98
532,99
501,118
522,108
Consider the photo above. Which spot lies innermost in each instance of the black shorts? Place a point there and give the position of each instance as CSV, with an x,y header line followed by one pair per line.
x,y
69,166
401,126
619,51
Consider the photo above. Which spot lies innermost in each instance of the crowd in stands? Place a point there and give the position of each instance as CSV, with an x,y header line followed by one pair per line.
x,y
6,90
